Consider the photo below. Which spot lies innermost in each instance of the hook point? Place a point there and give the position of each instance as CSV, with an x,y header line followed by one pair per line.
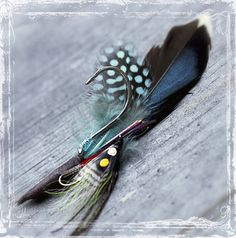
x,y
89,80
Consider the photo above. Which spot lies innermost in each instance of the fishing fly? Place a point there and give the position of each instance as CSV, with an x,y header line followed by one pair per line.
x,y
146,91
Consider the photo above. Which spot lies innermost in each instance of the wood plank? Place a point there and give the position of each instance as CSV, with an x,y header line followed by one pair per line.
x,y
180,171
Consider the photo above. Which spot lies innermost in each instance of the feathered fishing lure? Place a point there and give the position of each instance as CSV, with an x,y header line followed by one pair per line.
x,y
149,90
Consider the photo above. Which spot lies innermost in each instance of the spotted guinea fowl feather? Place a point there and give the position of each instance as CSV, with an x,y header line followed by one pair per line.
x,y
123,56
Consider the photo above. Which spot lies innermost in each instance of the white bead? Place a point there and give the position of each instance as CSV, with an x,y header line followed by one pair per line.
x,y
112,151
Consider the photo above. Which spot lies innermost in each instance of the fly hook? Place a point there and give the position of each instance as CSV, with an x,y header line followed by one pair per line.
x,y
85,145
88,142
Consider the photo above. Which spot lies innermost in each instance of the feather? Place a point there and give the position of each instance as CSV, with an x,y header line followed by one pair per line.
x,y
177,66
95,181
112,84
159,60
49,182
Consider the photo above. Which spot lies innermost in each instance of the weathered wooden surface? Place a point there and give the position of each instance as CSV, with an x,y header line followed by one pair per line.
x,y
181,173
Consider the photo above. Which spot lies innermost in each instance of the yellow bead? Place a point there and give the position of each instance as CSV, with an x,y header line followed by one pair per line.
x,y
104,162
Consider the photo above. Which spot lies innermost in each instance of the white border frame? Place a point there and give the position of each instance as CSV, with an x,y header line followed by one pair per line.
x,y
29,7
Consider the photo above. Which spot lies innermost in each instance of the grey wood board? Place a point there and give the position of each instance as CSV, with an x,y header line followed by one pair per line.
x,y
181,171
